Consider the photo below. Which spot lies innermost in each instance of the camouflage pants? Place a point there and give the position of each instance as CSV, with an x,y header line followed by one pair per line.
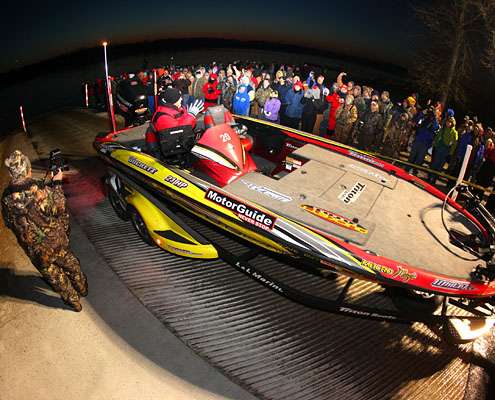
x,y
62,271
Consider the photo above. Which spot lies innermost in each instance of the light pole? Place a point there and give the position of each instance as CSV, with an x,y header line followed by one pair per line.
x,y
109,89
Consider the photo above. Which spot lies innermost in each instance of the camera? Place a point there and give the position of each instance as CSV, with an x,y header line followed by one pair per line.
x,y
57,162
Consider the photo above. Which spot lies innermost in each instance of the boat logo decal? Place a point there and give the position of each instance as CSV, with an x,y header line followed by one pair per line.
x,y
145,167
247,213
267,192
368,172
454,285
176,182
366,158
404,275
350,196
335,219
400,273
348,310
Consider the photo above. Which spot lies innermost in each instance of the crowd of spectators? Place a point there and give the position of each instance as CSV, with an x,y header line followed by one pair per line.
x,y
303,98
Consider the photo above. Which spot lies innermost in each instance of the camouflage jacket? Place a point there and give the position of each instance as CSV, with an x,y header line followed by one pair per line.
x,y
37,214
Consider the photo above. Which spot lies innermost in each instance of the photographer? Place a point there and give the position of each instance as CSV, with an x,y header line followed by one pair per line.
x,y
36,212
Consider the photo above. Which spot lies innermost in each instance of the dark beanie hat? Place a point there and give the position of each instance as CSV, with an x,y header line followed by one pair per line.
x,y
171,95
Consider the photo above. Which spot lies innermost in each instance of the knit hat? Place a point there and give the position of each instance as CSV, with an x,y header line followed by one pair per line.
x,y
170,95
450,112
18,165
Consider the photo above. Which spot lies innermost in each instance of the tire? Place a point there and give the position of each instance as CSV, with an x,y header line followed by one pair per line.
x,y
117,203
416,301
140,226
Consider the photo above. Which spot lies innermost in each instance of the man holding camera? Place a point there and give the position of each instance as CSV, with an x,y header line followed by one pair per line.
x,y
36,212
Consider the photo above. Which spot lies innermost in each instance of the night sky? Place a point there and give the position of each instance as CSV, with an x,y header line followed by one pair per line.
x,y
380,30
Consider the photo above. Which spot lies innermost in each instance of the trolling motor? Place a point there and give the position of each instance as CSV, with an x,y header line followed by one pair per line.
x,y
481,247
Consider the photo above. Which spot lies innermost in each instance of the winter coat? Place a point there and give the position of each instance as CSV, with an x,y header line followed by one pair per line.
x,y
464,140
426,130
361,106
386,110
283,91
197,87
271,109
346,115
241,101
211,91
370,130
262,95
228,92
446,138
312,105
294,105
334,102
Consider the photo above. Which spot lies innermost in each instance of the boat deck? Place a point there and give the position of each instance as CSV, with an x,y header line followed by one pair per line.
x,y
388,216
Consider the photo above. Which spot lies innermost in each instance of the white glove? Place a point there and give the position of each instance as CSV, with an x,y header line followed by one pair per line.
x,y
195,108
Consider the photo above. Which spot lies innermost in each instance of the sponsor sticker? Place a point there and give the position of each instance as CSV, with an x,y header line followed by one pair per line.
x,y
145,167
350,196
400,273
335,218
247,213
366,171
404,275
348,310
176,182
454,285
366,158
267,192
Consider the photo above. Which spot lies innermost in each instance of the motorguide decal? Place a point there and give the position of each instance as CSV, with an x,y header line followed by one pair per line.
x,y
453,285
335,218
350,196
145,167
247,213
176,182
267,192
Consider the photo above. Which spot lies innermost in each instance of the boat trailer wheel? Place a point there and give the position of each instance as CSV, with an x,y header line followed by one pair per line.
x,y
116,201
140,226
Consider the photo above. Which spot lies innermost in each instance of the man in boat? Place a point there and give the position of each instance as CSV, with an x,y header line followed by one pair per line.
x,y
170,114
36,213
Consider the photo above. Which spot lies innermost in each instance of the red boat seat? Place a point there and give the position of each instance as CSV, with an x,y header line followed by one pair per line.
x,y
217,115
221,154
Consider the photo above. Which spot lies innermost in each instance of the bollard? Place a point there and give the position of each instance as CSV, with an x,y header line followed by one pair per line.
x,y
109,90
86,94
22,120
155,88
465,162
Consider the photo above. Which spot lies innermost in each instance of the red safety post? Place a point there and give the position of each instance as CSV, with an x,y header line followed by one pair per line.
x,y
109,90
155,89
22,120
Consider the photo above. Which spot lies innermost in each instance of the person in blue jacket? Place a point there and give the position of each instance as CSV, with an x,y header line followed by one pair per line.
x,y
241,101
427,126
295,107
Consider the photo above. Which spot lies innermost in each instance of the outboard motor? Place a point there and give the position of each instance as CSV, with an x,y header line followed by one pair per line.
x,y
132,101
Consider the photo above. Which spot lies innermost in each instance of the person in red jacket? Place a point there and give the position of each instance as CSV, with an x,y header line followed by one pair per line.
x,y
211,91
170,114
334,100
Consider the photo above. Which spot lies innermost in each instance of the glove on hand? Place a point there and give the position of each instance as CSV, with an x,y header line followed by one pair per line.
x,y
195,108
